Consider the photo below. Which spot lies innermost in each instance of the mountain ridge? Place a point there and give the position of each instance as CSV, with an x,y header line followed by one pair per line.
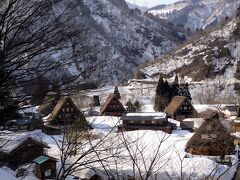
x,y
197,14
214,54
123,38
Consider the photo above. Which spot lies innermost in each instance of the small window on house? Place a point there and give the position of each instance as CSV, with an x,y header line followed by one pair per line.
x,y
131,121
63,110
60,116
71,109
142,122
185,107
67,109
189,107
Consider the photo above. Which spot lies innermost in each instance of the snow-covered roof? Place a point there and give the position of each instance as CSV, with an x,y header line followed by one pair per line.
x,y
237,120
157,114
197,121
28,109
46,117
11,141
236,134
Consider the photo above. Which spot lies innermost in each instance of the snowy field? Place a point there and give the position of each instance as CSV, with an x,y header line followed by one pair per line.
x,y
145,145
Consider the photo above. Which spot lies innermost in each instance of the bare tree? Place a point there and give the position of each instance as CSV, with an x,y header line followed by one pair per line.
x,y
133,158
36,41
81,148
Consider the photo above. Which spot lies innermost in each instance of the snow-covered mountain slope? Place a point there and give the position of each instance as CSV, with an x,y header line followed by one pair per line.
x,y
213,58
122,38
133,6
197,14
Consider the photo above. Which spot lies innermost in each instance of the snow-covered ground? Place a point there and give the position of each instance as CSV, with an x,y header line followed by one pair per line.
x,y
171,160
145,145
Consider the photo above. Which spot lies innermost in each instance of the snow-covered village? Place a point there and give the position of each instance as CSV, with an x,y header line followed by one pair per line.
x,y
120,89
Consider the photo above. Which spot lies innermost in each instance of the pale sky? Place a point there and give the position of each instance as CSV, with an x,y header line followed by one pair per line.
x,y
150,3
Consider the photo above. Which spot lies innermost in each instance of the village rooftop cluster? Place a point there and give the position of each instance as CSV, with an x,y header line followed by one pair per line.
x,y
213,135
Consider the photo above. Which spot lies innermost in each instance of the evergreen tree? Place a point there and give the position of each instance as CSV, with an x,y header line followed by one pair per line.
x,y
117,93
137,106
188,95
167,93
130,107
174,88
186,91
162,95
176,81
160,86
183,90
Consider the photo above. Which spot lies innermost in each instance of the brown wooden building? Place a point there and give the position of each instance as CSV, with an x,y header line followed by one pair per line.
x,y
235,125
21,151
45,167
146,121
112,106
180,108
61,112
212,138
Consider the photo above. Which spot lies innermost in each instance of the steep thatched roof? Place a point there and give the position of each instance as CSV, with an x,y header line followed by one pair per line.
x,y
60,104
212,133
175,104
110,98
48,103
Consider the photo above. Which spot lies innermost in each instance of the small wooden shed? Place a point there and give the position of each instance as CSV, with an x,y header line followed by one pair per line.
x,y
45,167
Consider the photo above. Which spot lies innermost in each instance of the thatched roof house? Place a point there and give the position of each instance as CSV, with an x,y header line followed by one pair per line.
x,y
112,106
212,138
60,111
48,103
180,108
